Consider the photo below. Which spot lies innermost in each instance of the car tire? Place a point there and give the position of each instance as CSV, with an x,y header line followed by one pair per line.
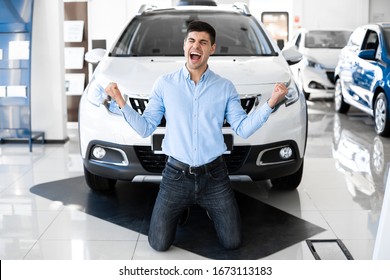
x,y
339,104
377,159
381,115
98,183
289,182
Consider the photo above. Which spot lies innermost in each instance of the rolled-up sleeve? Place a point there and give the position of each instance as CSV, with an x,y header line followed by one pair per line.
x,y
146,123
243,124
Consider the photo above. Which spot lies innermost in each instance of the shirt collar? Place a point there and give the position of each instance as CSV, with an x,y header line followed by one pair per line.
x,y
187,75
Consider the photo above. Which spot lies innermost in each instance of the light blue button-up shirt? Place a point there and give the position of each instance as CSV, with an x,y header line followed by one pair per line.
x,y
194,115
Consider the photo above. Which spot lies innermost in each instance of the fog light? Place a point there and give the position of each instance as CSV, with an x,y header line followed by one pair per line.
x,y
99,152
285,152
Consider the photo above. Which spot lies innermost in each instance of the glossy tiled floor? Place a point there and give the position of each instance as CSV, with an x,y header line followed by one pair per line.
x,y
342,191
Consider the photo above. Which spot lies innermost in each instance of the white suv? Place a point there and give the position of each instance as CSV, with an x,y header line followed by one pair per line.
x,y
152,45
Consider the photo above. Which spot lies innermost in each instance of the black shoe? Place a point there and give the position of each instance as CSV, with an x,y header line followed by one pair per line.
x,y
184,217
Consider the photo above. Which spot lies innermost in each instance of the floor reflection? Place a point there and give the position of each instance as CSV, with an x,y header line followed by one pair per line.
x,y
359,153
361,156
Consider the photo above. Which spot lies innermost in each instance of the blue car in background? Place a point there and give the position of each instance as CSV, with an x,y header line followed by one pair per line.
x,y
362,75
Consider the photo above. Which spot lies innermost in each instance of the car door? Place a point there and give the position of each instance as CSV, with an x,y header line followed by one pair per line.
x,y
365,70
348,63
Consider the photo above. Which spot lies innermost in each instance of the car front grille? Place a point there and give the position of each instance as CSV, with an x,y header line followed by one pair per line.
x,y
155,163
139,105
330,75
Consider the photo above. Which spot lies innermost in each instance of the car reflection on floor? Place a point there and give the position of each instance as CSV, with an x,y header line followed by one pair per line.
x,y
360,155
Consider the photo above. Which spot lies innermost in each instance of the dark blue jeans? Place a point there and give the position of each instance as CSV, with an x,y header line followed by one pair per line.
x,y
178,191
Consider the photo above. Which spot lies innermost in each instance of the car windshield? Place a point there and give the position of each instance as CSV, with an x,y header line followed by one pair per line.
x,y
162,34
323,39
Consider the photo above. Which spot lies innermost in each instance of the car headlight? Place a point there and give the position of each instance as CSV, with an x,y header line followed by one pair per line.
x,y
292,95
312,63
97,96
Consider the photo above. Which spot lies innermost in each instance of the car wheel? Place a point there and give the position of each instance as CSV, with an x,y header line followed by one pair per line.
x,y
98,183
381,115
290,182
377,161
340,105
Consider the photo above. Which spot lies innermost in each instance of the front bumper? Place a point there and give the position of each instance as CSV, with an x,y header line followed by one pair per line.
x,y
122,162
318,83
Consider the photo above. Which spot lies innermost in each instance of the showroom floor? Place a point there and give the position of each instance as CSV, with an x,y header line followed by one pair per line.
x,y
341,192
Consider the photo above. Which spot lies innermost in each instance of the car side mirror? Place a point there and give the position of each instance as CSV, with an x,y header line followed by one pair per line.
x,y
292,55
367,54
94,56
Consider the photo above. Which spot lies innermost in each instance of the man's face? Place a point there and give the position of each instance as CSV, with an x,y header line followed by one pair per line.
x,y
197,49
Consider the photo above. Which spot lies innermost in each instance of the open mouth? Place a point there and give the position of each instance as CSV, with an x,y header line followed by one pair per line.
x,y
195,56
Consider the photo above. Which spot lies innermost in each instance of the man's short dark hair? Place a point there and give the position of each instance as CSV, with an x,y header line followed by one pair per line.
x,y
201,26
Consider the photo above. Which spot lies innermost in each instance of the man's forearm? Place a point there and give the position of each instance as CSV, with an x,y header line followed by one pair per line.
x,y
140,124
254,121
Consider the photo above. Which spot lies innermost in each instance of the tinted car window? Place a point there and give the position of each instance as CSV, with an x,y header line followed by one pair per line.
x,y
371,42
386,35
163,35
326,39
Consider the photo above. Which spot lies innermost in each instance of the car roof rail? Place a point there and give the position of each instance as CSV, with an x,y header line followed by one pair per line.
x,y
196,3
146,8
242,7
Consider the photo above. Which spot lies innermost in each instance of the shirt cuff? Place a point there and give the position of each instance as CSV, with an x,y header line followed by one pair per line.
x,y
125,108
267,108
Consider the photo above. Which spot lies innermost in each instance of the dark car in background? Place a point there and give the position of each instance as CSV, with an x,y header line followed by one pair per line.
x,y
362,75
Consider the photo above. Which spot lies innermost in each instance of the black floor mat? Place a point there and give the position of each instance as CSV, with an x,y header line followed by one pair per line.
x,y
266,229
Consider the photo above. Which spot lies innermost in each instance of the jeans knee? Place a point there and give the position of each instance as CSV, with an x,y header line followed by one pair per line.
x,y
232,245
231,241
158,246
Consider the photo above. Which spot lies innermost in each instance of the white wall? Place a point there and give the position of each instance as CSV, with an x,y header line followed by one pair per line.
x,y
379,11
106,19
48,103
335,13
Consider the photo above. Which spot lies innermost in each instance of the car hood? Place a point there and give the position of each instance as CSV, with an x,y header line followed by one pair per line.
x,y
326,57
136,76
